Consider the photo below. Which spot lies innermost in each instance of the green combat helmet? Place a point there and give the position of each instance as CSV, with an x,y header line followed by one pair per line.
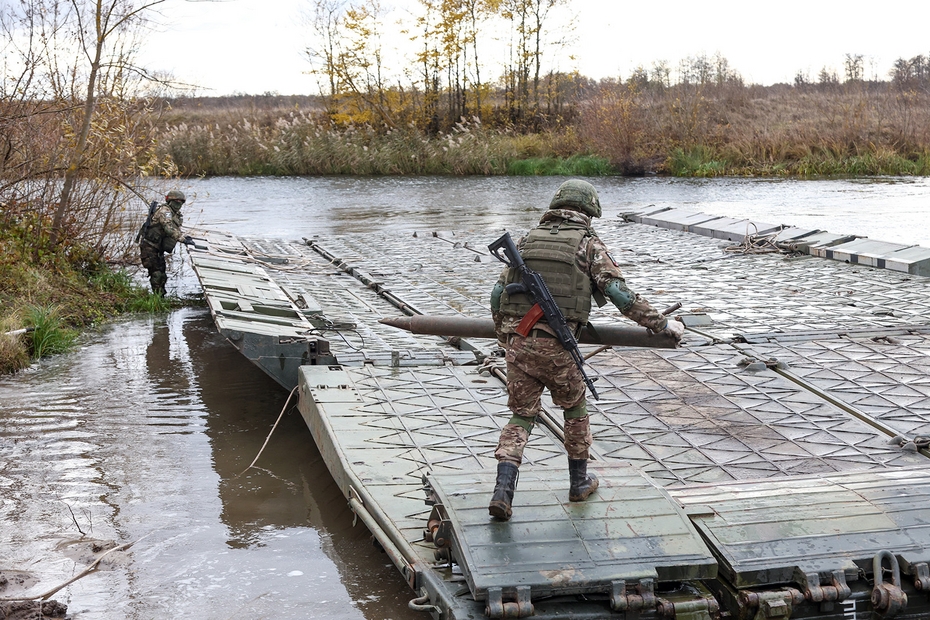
x,y
579,195
175,195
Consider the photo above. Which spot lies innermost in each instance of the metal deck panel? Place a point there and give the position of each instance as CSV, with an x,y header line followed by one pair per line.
x,y
679,219
763,530
394,424
628,530
732,229
886,377
692,416
914,260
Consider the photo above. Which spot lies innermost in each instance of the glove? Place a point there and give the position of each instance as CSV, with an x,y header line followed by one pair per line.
x,y
187,240
675,328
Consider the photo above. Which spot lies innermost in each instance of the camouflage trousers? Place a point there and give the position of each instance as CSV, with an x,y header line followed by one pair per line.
x,y
534,364
153,259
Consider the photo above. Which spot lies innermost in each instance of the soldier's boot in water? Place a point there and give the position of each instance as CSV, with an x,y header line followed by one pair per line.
x,y
158,280
583,484
502,500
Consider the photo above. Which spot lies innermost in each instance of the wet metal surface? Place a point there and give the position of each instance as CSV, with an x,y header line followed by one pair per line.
x,y
815,524
723,408
627,530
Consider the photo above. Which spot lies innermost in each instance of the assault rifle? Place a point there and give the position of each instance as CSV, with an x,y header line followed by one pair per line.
x,y
148,221
544,306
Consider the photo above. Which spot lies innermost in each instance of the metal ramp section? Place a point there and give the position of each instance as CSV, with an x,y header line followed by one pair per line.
x,y
850,543
349,311
381,430
284,305
628,532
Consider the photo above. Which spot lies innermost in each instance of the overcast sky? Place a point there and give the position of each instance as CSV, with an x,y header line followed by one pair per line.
x,y
256,46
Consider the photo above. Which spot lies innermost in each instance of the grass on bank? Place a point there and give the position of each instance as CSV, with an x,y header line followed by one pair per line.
x,y
47,296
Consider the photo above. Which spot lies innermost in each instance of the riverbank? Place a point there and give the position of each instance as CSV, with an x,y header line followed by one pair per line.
x,y
48,294
729,129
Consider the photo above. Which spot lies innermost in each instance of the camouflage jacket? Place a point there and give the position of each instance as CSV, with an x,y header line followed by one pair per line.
x,y
166,224
594,259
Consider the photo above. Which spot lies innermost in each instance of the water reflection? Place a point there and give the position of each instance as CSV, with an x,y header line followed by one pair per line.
x,y
143,434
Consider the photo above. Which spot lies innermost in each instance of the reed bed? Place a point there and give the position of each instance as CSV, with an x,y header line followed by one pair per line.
x,y
857,128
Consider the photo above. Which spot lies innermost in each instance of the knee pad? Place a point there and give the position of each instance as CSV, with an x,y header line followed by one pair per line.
x,y
578,411
526,424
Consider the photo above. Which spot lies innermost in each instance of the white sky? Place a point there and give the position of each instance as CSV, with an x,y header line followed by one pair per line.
x,y
256,46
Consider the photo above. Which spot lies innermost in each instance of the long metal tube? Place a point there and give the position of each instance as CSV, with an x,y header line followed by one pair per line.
x,y
465,327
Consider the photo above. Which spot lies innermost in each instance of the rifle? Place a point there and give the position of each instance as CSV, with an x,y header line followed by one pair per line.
x,y
148,221
544,306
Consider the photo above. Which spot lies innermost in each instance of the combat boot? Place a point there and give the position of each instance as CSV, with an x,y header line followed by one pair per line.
x,y
583,484
501,501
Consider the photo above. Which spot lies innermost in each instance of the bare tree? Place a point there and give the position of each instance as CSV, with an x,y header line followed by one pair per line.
x,y
77,139
101,30
854,67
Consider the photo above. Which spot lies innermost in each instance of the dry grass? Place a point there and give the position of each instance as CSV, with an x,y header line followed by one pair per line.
x,y
781,130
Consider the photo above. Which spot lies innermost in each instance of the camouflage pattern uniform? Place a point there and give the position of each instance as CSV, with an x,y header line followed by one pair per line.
x,y
566,252
539,361
162,235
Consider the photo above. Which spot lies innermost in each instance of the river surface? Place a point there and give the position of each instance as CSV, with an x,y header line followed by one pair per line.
x,y
143,433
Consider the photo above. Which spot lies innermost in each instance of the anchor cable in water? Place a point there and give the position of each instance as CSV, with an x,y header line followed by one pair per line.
x,y
268,438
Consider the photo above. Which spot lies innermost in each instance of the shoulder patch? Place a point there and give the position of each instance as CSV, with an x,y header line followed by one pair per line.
x,y
612,259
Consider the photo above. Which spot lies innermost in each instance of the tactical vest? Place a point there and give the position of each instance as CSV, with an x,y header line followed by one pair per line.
x,y
550,251
155,234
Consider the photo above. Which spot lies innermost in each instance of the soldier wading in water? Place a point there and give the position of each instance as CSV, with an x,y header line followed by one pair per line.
x,y
159,234
576,266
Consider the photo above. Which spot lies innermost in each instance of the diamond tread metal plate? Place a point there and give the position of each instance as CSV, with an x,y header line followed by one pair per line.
x,y
406,422
887,378
630,529
233,269
763,530
756,293
696,415
720,423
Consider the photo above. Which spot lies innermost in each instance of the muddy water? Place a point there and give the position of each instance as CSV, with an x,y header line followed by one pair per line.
x,y
142,435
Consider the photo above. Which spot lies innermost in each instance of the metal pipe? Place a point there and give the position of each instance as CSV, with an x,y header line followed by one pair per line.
x,y
467,327
383,539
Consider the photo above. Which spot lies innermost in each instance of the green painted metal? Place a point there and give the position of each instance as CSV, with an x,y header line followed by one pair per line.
x,y
779,432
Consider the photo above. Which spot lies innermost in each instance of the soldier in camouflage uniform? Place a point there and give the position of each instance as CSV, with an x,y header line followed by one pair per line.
x,y
160,234
576,266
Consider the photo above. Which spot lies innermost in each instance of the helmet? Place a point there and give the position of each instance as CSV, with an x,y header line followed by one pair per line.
x,y
578,195
175,194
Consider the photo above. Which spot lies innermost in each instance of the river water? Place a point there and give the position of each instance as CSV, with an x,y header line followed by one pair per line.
x,y
143,433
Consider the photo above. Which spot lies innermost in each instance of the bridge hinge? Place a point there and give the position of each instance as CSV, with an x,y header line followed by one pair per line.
x,y
518,605
643,598
706,608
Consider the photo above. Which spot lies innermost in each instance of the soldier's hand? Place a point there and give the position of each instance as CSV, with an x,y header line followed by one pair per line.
x,y
675,328
187,240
